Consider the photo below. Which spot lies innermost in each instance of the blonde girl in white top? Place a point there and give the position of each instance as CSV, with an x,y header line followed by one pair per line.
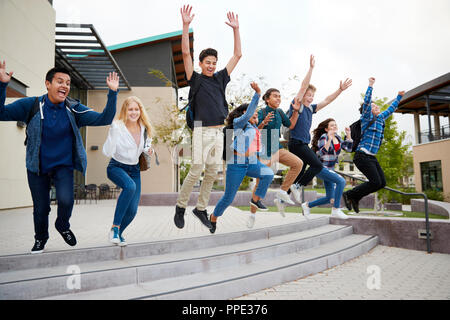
x,y
124,144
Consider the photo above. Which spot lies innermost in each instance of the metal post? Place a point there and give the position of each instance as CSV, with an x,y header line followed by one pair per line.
x,y
427,103
427,223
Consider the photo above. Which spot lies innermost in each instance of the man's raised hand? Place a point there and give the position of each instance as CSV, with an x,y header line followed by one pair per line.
x,y
4,76
344,85
186,14
233,20
113,81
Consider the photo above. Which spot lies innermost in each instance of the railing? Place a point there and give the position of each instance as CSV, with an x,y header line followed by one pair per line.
x,y
427,223
429,136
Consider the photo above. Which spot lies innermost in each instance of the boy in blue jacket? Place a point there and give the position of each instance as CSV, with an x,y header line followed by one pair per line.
x,y
54,145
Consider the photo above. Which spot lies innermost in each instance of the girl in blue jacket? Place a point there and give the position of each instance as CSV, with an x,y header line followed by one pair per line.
x,y
244,161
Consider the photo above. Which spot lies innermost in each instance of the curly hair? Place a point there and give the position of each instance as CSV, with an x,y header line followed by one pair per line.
x,y
318,132
236,113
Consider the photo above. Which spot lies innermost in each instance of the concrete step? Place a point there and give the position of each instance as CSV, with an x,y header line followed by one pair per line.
x,y
234,281
48,281
112,253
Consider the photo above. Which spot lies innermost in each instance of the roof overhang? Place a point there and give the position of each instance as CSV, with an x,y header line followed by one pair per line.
x,y
175,39
435,92
79,49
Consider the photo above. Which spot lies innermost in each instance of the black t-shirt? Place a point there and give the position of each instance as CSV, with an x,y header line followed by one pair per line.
x,y
209,104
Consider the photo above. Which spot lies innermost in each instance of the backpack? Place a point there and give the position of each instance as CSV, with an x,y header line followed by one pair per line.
x,y
189,107
228,136
356,133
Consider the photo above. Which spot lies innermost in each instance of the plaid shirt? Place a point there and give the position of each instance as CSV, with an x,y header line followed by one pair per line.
x,y
373,135
329,157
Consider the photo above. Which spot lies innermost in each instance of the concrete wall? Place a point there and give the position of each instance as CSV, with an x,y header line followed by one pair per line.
x,y
401,232
27,44
158,178
437,150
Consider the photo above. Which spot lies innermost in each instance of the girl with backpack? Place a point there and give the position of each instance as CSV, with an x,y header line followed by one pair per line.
x,y
128,138
327,144
244,161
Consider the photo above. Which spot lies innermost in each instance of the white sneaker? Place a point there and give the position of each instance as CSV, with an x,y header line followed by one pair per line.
x,y
337,213
251,220
280,205
114,235
306,210
283,195
296,191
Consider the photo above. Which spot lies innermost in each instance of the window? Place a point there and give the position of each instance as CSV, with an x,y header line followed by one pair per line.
x,y
431,174
352,167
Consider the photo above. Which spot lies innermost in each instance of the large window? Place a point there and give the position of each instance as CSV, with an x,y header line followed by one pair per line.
x,y
431,173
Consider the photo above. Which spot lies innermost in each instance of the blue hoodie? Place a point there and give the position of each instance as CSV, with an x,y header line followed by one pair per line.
x,y
79,116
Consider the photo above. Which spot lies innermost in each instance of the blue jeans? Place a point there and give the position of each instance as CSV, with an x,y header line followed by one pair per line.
x,y
334,187
234,177
40,185
127,177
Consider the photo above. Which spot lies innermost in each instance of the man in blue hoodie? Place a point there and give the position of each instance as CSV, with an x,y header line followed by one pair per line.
x,y
54,145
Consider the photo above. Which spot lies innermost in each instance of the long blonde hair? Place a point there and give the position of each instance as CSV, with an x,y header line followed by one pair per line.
x,y
143,119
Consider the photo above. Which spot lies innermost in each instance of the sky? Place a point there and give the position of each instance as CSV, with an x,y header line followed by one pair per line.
x,y
402,43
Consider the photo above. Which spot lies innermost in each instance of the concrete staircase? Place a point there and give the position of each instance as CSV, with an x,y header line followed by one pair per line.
x,y
220,266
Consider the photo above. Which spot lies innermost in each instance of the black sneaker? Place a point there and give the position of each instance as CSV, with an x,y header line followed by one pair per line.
x,y
69,237
347,202
38,246
179,217
203,217
258,205
213,225
355,204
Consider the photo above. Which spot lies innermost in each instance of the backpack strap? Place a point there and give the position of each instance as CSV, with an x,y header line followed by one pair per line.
x,y
192,92
370,123
34,109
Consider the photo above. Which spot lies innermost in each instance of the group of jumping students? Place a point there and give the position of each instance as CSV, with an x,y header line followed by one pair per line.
x,y
248,140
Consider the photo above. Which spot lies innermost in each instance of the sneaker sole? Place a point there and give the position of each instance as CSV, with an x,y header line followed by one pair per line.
x,y
209,226
258,208
36,252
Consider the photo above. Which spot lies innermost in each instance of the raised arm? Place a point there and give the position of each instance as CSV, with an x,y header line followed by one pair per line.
x,y
233,22
19,109
187,59
241,121
307,79
366,108
394,105
89,117
342,86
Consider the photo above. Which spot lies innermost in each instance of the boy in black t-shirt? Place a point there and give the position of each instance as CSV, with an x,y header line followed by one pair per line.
x,y
210,111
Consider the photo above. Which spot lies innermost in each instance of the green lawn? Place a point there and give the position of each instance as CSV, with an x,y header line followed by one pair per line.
x,y
406,214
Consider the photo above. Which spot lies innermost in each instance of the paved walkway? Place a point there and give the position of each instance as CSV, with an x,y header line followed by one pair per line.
x,y
384,273
393,274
